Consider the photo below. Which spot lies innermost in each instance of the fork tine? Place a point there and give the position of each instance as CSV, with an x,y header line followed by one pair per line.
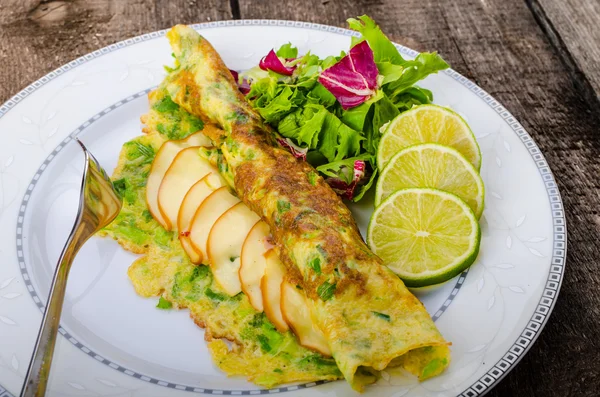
x,y
90,157
99,175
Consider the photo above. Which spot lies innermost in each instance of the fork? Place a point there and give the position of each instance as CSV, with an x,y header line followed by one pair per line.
x,y
99,204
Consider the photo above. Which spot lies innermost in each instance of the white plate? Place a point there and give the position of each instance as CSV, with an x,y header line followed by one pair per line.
x,y
116,343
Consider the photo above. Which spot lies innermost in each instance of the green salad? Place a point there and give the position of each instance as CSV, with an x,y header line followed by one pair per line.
x,y
330,111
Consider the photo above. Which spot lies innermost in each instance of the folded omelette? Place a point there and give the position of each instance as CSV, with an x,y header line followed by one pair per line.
x,y
369,318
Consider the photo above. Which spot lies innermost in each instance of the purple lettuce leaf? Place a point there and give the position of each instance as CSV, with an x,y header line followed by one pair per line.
x,y
297,151
353,79
344,188
244,85
272,62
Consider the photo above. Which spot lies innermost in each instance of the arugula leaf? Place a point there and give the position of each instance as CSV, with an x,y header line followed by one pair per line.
x,y
383,49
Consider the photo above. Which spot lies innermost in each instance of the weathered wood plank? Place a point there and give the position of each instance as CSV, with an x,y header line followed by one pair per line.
x,y
574,29
39,36
499,45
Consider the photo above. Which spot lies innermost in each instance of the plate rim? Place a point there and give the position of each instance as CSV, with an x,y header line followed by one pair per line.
x,y
557,260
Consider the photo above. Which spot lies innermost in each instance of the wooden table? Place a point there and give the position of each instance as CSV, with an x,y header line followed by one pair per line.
x,y
540,58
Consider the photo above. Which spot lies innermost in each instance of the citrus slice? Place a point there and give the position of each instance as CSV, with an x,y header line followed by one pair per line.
x,y
435,166
425,236
428,123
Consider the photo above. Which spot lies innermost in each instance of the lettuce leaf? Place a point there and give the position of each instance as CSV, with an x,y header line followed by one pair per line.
x,y
361,190
315,127
412,96
397,78
277,106
370,117
287,51
383,49
303,126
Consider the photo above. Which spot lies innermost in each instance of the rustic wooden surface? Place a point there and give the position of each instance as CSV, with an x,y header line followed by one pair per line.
x,y
540,58
573,28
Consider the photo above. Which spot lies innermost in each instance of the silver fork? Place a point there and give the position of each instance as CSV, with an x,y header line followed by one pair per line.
x,y
99,204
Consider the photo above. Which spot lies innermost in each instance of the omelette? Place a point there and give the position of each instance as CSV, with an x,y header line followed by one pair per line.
x,y
264,355
369,319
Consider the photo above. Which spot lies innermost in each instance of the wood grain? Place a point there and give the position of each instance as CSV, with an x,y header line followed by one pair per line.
x,y
500,44
39,36
573,28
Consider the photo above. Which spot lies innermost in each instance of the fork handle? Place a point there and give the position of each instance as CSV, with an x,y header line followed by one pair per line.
x,y
38,372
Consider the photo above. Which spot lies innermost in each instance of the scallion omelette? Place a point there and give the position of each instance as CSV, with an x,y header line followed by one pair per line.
x,y
344,315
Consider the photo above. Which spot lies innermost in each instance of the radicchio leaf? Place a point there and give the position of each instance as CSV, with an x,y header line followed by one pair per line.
x,y
297,151
354,78
274,63
244,86
344,189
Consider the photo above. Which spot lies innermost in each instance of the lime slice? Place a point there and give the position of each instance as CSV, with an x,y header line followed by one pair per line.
x,y
435,166
428,123
425,236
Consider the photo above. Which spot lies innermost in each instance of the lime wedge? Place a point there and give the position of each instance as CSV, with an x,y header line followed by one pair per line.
x,y
428,123
425,236
435,166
